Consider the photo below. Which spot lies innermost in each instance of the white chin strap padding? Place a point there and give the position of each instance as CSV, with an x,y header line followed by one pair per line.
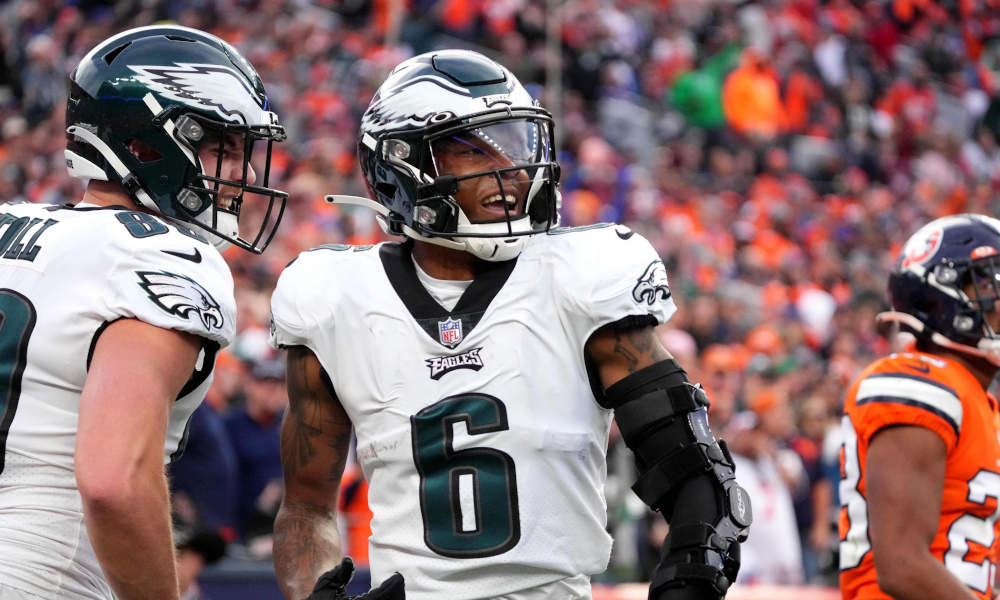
x,y
493,249
226,224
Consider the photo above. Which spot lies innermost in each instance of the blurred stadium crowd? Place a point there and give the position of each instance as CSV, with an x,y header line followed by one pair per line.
x,y
775,153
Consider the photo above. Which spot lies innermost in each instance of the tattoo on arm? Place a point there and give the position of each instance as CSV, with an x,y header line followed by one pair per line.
x,y
636,343
297,448
315,439
305,545
615,353
315,415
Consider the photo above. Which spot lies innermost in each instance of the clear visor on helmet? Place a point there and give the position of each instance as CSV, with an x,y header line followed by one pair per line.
x,y
497,167
504,144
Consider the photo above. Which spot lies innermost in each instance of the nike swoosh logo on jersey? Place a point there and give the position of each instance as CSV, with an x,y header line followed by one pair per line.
x,y
925,369
195,258
625,235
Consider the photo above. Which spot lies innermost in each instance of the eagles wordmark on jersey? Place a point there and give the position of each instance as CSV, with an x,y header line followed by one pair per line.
x,y
117,264
483,415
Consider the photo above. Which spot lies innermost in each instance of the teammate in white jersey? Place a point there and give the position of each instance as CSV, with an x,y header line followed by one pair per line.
x,y
478,363
114,310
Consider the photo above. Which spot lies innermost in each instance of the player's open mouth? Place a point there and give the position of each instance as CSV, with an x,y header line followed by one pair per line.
x,y
499,206
496,201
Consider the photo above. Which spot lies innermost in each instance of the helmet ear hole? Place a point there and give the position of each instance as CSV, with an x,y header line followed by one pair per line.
x,y
925,306
143,151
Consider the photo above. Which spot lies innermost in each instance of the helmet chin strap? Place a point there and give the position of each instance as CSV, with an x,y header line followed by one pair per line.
x,y
226,224
495,249
986,348
123,172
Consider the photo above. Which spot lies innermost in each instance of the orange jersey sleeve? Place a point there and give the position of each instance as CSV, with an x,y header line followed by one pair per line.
x,y
925,391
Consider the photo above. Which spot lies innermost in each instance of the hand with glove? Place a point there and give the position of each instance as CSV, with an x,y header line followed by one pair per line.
x,y
332,585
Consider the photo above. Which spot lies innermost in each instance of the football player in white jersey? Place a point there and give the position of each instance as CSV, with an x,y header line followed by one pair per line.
x,y
480,363
113,310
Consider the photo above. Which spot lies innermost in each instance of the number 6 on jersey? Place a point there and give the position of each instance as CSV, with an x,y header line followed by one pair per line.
x,y
468,498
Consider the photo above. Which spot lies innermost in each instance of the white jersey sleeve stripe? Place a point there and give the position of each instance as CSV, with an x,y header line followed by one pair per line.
x,y
913,391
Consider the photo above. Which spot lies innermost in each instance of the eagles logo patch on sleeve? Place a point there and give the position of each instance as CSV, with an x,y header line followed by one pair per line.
x,y
181,296
652,283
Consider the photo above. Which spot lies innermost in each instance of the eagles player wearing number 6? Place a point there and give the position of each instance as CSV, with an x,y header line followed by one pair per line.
x,y
114,310
921,457
480,363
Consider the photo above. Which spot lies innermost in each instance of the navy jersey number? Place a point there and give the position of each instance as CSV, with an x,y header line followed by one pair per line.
x,y
468,498
141,225
17,320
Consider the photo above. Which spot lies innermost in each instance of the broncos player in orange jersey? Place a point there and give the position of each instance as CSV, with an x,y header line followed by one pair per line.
x,y
920,464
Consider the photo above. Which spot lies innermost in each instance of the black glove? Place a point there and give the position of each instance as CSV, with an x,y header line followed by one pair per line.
x,y
332,585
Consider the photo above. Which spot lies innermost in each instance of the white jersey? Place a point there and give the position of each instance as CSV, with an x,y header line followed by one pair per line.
x,y
478,430
65,274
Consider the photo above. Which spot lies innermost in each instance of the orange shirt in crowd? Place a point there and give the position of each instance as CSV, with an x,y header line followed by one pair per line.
x,y
751,99
802,91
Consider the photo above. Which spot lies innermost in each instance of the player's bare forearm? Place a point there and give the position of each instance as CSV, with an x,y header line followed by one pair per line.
x,y
315,437
617,353
921,576
306,545
132,536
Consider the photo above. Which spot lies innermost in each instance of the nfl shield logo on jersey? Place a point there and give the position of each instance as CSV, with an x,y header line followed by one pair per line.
x,y
450,332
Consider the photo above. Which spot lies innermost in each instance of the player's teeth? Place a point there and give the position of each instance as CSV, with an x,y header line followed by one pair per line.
x,y
508,198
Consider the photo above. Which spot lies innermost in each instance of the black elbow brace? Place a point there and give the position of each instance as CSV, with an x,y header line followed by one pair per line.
x,y
685,474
